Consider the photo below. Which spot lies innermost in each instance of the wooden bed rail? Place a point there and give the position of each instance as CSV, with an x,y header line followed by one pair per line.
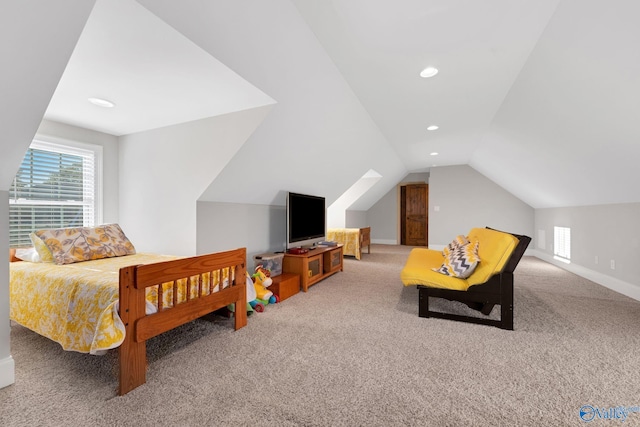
x,y
139,327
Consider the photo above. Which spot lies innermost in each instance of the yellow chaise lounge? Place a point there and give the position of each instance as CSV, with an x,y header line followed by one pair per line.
x,y
489,284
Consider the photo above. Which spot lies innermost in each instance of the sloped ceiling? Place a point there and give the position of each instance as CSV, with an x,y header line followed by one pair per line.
x,y
381,47
26,85
567,133
538,95
155,76
542,97
318,139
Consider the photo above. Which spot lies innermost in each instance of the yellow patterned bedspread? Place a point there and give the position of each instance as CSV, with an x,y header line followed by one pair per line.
x,y
349,237
76,305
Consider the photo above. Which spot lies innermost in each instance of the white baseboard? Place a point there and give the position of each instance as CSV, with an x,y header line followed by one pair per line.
x,y
7,372
620,286
384,241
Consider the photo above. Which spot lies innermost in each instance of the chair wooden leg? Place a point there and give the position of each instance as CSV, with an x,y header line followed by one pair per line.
x,y
486,309
423,302
506,306
503,287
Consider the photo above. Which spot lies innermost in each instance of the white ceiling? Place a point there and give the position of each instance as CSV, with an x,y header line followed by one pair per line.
x,y
381,46
155,75
541,96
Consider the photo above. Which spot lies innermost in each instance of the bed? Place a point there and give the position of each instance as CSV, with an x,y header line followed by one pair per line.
x,y
352,239
120,302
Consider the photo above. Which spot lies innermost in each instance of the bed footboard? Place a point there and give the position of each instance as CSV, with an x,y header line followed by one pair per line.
x,y
365,239
134,280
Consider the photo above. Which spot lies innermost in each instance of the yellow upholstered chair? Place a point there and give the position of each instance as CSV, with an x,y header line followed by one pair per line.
x,y
490,283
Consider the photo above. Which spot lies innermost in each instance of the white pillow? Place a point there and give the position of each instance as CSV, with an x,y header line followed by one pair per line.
x,y
28,254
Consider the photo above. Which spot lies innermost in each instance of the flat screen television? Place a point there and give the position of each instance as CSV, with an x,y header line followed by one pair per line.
x,y
306,220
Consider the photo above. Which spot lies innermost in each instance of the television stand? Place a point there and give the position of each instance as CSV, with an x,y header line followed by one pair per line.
x,y
315,265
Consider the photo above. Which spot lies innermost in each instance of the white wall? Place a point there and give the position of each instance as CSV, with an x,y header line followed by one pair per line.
x,y
164,171
608,232
7,368
383,219
224,226
318,139
467,199
32,33
356,219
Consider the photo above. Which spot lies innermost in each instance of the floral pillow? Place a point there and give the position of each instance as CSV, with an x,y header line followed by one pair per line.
x,y
69,245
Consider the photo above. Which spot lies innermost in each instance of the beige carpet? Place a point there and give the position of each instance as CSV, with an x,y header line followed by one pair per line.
x,y
352,351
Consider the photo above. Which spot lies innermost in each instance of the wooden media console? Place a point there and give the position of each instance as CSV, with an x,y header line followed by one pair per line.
x,y
315,265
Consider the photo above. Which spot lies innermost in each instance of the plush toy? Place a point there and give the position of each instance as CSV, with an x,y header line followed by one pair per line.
x,y
252,303
261,281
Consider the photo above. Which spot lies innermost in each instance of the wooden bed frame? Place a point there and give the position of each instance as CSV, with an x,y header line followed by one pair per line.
x,y
364,237
140,327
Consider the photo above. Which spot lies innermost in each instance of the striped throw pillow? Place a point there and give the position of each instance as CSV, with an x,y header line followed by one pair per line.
x,y
460,240
460,262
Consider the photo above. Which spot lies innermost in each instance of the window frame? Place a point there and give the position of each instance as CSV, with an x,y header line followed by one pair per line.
x,y
72,147
562,243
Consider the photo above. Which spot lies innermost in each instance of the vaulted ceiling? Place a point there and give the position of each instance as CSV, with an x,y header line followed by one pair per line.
x,y
541,96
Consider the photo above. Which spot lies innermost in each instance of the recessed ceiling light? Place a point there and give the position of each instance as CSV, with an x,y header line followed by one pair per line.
x,y
102,102
432,127
434,154
429,72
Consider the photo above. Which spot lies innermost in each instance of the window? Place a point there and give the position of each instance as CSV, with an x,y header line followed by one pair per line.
x,y
56,186
562,243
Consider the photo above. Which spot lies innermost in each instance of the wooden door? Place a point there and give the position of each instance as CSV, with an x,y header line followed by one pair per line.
x,y
414,214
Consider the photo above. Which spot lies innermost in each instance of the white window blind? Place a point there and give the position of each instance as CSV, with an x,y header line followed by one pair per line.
x,y
562,243
56,186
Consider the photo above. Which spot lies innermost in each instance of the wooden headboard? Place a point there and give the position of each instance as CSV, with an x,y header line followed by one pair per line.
x,y
12,255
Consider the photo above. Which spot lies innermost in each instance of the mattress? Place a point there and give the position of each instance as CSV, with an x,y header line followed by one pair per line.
x,y
76,305
349,237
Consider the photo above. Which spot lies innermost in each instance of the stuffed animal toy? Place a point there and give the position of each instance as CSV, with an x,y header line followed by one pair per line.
x,y
261,281
252,302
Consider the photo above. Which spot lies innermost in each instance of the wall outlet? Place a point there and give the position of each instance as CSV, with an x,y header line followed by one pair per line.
x,y
613,264
596,260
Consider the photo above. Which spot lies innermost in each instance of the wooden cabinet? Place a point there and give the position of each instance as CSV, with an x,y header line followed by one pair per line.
x,y
332,261
285,285
315,265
